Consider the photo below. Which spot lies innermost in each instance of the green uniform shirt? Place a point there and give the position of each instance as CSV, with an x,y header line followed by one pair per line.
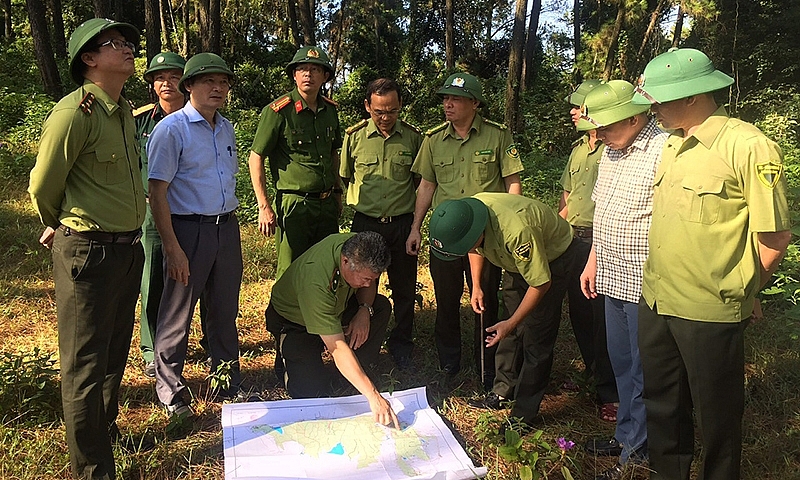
x,y
312,292
462,167
713,192
379,169
579,178
87,174
523,235
146,119
300,144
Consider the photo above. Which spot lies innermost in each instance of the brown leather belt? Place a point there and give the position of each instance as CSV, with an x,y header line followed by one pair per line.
x,y
215,219
123,238
383,219
582,232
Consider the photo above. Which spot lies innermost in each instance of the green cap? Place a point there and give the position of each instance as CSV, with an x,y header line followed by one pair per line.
x,y
85,32
312,54
609,102
204,63
164,61
455,227
577,96
463,85
678,73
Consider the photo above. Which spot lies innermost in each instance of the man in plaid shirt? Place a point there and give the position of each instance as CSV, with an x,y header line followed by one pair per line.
x,y
623,198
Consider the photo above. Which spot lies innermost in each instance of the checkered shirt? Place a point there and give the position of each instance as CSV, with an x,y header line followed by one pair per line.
x,y
623,198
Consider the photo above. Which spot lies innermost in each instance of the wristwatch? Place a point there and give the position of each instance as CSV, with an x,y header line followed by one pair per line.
x,y
368,307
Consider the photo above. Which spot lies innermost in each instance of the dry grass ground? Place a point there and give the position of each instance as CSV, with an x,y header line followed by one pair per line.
x,y
27,320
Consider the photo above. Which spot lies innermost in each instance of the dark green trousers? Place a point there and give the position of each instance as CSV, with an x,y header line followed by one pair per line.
x,y
152,285
302,222
97,286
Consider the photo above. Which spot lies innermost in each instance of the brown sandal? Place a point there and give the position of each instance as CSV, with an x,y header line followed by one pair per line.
x,y
608,412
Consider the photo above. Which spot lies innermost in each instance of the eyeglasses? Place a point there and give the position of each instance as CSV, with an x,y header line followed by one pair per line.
x,y
386,113
309,68
118,44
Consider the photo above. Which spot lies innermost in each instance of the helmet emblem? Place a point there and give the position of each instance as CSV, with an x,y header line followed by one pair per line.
x,y
313,53
160,59
458,82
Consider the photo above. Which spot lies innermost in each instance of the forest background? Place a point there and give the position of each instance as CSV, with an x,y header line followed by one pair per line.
x,y
528,55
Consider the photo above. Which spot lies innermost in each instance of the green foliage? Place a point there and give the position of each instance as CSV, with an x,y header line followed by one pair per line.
x,y
21,118
29,391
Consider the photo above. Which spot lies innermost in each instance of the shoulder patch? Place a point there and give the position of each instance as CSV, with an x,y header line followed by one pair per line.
x,y
331,101
437,128
495,124
523,252
143,109
410,127
769,173
278,104
512,151
358,126
86,103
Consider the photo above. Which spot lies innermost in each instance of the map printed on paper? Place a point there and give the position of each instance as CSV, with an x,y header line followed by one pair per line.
x,y
337,438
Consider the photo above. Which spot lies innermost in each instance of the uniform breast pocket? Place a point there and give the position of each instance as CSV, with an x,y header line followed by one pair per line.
x,y
401,167
299,141
367,163
445,169
700,198
485,165
110,165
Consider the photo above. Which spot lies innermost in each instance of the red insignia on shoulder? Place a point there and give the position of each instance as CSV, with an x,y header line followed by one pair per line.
x,y
86,103
278,104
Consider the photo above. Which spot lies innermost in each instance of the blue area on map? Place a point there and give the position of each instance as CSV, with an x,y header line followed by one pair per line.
x,y
337,450
279,430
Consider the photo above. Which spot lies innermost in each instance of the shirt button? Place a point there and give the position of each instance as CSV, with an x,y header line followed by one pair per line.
x,y
462,190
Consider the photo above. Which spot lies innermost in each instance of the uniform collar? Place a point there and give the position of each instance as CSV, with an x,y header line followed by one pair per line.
x,y
104,100
372,129
477,123
708,131
321,103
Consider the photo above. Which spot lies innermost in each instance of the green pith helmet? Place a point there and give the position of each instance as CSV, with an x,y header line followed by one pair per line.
x,y
456,226
577,96
204,63
463,85
85,32
164,61
608,103
311,54
678,73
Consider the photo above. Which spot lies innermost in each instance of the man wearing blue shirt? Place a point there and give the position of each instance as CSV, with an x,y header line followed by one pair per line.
x,y
192,183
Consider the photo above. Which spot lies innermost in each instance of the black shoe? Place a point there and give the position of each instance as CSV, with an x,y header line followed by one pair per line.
x,y
491,401
603,448
150,369
451,370
237,395
617,472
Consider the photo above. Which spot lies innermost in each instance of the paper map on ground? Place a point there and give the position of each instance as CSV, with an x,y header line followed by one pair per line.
x,y
330,438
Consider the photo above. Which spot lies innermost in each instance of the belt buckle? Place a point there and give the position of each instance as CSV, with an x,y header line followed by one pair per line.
x,y
324,195
385,219
137,238
217,220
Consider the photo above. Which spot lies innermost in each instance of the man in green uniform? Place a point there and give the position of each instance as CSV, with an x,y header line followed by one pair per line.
x,y
299,132
87,189
537,249
720,228
577,207
461,157
163,76
376,162
328,299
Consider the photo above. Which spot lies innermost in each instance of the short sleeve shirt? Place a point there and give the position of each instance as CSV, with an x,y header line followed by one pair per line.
x,y
462,167
299,142
714,190
523,235
579,178
87,173
312,292
379,169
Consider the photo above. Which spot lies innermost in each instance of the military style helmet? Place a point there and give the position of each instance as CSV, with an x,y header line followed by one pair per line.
x,y
608,103
204,63
311,54
164,61
85,32
463,85
577,96
456,226
678,73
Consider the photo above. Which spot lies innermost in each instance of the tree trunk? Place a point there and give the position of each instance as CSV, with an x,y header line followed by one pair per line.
x,y
101,8
8,26
513,119
186,11
336,41
165,13
214,27
640,60
151,33
294,26
676,35
201,17
612,48
44,51
376,26
449,36
119,11
307,21
531,47
576,27
59,36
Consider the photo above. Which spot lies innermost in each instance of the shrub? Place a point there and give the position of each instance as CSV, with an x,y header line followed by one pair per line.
x,y
29,392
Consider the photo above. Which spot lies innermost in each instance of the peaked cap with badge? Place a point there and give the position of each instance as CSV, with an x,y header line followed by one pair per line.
x,y
164,61
608,103
310,54
86,32
463,85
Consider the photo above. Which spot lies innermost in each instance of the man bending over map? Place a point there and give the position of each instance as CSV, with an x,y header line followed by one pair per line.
x,y
328,298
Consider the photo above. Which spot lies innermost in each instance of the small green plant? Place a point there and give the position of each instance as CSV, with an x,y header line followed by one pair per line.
x,y
29,391
220,378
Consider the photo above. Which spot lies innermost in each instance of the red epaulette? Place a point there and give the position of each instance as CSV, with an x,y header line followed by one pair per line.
x,y
86,103
278,104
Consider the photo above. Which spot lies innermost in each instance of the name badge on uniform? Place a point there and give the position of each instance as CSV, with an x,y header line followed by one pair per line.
x,y
483,152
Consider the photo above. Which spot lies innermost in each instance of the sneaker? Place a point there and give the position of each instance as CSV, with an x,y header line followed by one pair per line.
x,y
491,401
179,409
150,369
603,447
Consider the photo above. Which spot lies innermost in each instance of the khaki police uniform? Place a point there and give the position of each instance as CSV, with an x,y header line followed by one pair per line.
x,y
534,246
714,191
86,184
300,144
311,299
587,316
382,193
461,167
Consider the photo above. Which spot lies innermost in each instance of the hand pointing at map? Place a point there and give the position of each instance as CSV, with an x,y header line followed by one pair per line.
x,y
382,411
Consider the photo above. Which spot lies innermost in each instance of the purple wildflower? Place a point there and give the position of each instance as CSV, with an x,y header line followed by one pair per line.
x,y
565,445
